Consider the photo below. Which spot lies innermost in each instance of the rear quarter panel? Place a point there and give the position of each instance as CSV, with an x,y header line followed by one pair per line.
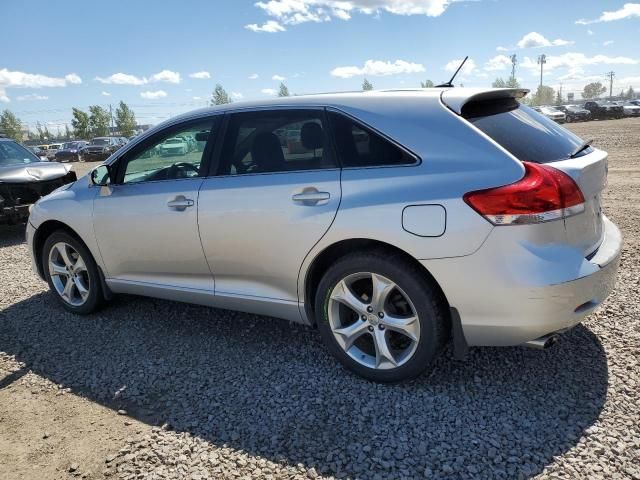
x,y
455,158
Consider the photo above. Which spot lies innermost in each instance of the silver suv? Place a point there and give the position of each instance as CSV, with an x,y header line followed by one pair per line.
x,y
392,221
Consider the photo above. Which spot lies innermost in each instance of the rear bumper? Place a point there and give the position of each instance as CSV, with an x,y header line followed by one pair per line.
x,y
507,297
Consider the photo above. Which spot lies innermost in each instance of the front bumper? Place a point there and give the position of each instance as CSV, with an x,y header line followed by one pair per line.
x,y
95,156
509,297
29,234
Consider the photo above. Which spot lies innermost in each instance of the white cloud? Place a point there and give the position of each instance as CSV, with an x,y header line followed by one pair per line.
x,y
590,32
499,62
278,78
237,95
196,98
16,79
200,75
166,76
453,65
31,96
254,76
122,79
377,68
149,95
73,79
105,94
575,62
607,43
535,40
627,11
269,91
271,26
293,12
502,49
126,79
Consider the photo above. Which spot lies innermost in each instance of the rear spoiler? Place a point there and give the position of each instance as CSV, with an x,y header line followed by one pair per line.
x,y
455,98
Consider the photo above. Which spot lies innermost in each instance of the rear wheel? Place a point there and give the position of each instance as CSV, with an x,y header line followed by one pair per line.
x,y
72,273
381,317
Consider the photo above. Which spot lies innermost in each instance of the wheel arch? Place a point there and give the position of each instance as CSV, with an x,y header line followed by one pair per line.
x,y
331,253
43,232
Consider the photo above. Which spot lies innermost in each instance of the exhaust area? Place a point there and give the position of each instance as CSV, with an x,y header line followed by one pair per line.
x,y
544,342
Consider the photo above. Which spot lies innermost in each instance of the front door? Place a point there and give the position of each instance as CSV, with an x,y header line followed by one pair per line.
x,y
146,222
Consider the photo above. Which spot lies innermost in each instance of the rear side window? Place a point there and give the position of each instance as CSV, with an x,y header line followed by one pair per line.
x,y
525,133
359,146
276,141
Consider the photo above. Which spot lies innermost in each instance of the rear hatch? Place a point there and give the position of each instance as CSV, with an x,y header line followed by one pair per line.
x,y
530,136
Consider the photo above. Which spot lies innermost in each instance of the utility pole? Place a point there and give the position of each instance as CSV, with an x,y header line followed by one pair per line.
x,y
542,59
514,60
610,76
111,115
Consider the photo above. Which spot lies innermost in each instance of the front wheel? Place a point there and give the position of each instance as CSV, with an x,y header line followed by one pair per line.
x,y
72,273
381,317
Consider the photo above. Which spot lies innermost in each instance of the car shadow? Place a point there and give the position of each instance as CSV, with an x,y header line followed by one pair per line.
x,y
11,235
268,387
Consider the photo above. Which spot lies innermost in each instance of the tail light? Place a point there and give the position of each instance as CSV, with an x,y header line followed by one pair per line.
x,y
543,194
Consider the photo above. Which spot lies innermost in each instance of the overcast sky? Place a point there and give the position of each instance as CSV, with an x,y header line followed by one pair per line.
x,y
165,58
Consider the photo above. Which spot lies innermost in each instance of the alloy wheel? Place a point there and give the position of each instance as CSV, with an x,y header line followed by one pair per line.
x,y
69,274
373,320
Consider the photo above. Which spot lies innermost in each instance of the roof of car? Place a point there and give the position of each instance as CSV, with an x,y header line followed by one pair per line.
x,y
454,98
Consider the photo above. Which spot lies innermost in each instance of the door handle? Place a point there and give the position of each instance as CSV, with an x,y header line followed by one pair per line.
x,y
311,197
180,203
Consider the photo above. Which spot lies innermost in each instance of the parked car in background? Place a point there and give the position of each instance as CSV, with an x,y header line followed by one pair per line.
x,y
24,178
552,113
635,102
52,150
71,151
574,113
630,109
100,148
603,110
174,146
382,232
38,152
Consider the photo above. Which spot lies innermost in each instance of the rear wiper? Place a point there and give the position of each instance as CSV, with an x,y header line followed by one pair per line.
x,y
582,147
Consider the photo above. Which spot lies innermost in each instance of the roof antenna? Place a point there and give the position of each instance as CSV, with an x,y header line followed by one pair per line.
x,y
449,84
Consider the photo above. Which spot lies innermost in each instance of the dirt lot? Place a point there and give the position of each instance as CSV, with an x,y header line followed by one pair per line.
x,y
153,389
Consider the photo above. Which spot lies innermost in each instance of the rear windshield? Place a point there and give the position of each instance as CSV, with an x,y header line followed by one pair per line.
x,y
525,133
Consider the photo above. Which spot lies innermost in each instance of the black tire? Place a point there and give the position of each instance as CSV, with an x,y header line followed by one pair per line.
x,y
95,298
430,305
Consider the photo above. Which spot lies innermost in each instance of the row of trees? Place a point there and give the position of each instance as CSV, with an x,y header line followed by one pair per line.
x,y
221,97
97,121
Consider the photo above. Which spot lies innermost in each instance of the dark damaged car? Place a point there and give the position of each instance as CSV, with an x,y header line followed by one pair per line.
x,y
24,179
100,148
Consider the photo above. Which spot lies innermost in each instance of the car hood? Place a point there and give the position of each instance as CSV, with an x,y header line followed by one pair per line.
x,y
33,172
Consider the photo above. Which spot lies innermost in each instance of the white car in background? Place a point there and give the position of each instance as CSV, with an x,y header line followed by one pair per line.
x,y
174,146
553,113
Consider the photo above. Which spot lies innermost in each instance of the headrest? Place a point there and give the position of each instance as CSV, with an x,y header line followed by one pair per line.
x,y
311,136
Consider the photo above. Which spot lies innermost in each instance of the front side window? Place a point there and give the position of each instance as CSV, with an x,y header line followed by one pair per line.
x,y
276,141
359,146
173,155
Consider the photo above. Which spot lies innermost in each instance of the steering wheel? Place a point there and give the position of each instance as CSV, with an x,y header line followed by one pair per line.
x,y
182,170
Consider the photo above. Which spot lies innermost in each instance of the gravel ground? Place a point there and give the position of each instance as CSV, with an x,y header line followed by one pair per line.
x,y
154,389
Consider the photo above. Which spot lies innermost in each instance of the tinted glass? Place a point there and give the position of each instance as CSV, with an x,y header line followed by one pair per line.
x,y
171,156
525,133
359,146
276,141
13,154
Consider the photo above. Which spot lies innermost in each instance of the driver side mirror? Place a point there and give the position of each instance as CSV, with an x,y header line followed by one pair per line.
x,y
100,176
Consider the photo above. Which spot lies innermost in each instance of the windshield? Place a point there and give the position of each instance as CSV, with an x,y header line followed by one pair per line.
x,y
13,154
525,133
100,141
69,145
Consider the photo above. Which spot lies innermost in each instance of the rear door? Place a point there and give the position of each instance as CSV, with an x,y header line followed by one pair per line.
x,y
274,194
530,136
